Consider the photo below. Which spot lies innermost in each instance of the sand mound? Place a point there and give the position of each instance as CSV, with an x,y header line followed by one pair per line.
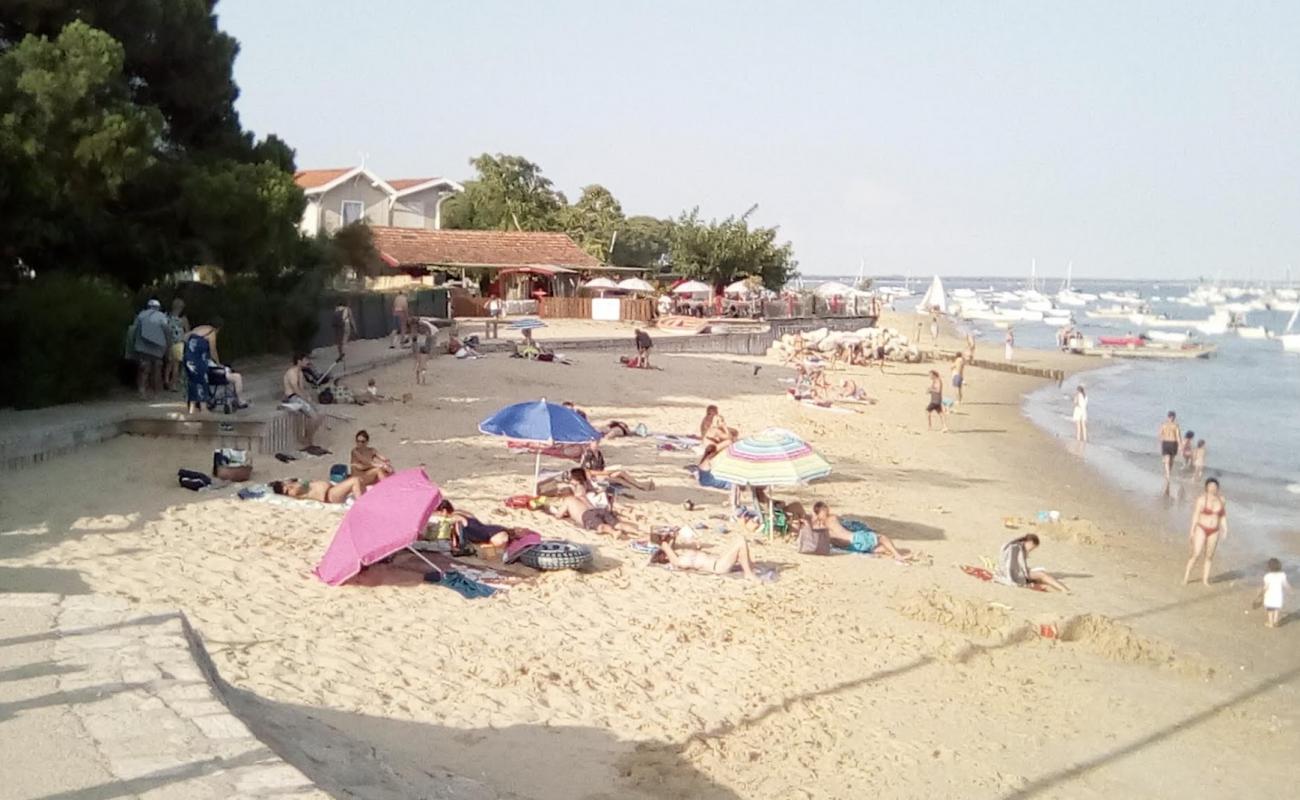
x,y
964,616
1118,642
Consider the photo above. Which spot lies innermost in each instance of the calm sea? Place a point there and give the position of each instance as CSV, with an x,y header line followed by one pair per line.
x,y
1244,401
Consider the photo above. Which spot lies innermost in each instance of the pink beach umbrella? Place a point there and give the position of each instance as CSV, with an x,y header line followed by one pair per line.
x,y
387,518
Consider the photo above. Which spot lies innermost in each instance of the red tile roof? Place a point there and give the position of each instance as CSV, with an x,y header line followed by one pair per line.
x,y
418,247
312,178
406,183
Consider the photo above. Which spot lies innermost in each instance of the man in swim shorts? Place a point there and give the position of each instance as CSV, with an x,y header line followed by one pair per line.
x,y
1170,436
958,375
580,510
295,398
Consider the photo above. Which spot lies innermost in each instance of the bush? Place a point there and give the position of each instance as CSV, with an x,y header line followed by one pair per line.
x,y
64,339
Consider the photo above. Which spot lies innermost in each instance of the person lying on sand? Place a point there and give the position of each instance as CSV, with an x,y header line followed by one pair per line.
x,y
734,552
593,463
1014,569
467,528
577,508
320,491
859,541
367,464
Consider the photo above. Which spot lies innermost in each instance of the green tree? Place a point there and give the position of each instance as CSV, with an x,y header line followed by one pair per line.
x,y
643,242
121,148
593,220
509,193
719,252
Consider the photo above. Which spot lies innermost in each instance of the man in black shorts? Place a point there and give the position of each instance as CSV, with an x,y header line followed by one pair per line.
x,y
1170,435
643,345
578,508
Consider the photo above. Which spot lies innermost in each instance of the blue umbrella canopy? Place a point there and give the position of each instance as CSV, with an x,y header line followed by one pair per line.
x,y
526,324
540,422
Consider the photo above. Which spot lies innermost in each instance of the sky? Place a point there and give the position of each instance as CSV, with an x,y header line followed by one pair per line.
x,y
1134,139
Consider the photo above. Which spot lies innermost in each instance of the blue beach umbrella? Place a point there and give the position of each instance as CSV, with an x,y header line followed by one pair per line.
x,y
540,424
526,324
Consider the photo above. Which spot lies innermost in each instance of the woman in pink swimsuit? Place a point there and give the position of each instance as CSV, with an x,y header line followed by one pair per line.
x,y
1209,527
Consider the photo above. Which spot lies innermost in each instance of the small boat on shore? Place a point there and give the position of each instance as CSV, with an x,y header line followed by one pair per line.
x,y
1140,347
1168,337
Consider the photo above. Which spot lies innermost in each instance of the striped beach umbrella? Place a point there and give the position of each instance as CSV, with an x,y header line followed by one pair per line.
x,y
774,457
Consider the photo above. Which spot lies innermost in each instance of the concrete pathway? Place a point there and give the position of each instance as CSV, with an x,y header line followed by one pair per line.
x,y
99,700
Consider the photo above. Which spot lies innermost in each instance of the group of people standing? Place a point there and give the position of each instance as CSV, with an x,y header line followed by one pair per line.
x,y
165,349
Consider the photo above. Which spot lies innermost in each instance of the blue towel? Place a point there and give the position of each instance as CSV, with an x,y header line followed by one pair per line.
x,y
864,539
467,588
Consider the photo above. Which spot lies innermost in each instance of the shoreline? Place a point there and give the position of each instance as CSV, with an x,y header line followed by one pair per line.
x,y
648,683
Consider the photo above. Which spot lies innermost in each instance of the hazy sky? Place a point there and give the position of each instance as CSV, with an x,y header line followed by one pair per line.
x,y
1136,139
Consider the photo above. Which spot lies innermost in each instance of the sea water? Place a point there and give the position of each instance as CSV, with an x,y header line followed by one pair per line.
x,y
1244,401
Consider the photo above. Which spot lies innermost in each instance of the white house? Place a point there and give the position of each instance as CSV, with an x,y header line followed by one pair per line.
x,y
338,197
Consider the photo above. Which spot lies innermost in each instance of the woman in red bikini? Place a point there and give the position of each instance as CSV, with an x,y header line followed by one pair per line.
x,y
1209,527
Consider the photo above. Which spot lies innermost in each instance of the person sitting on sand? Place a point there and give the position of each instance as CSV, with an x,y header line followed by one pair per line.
x,y
461,348
734,552
714,429
320,491
366,463
704,470
577,508
615,429
467,528
859,539
1014,569
593,463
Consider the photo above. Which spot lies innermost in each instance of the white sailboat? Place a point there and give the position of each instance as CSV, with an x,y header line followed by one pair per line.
x,y
935,297
1290,340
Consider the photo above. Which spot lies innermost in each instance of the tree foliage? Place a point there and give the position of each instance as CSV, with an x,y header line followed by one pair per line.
x,y
593,220
509,193
121,148
643,242
719,252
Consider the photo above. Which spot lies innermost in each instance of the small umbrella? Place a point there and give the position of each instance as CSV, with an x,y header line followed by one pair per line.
x,y
739,287
833,289
774,457
387,518
635,285
526,324
540,423
692,287
600,283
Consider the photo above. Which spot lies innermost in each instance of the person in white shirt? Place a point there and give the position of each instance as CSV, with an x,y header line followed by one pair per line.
x,y
1081,414
1276,587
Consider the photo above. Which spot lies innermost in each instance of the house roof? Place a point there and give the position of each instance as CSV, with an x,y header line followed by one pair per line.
x,y
401,247
404,186
313,178
320,181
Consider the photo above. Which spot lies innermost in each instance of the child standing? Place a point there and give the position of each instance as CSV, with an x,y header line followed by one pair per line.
x,y
1198,459
1275,586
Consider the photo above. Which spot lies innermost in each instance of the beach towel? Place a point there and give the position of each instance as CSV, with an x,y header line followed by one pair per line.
x,y
467,588
987,576
526,502
572,452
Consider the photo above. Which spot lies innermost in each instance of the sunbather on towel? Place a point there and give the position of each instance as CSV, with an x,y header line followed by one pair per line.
x,y
863,540
734,552
593,461
577,508
320,491
468,528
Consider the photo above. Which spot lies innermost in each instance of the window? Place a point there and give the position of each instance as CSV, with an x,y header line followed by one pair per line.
x,y
353,211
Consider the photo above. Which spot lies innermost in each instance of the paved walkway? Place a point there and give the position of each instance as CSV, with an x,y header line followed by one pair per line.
x,y
98,701
27,436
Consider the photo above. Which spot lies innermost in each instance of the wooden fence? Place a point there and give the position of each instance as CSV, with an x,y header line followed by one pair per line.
x,y
630,309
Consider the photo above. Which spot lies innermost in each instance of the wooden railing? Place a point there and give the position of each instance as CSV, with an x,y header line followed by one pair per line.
x,y
630,309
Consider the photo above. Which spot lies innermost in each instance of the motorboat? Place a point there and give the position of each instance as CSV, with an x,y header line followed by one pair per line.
x,y
1111,312
1253,332
1058,322
1290,340
1169,337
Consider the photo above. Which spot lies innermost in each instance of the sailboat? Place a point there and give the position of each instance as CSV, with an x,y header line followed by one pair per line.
x,y
935,297
1289,339
1067,296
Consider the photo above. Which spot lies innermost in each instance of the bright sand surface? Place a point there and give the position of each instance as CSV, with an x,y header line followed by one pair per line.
x,y
848,677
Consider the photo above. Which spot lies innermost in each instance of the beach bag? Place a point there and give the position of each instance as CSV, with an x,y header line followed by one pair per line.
x,y
338,473
194,481
814,541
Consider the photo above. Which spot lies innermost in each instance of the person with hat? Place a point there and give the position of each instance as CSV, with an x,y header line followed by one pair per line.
x,y
150,339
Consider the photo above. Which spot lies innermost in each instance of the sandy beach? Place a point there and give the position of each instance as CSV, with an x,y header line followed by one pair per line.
x,y
847,677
